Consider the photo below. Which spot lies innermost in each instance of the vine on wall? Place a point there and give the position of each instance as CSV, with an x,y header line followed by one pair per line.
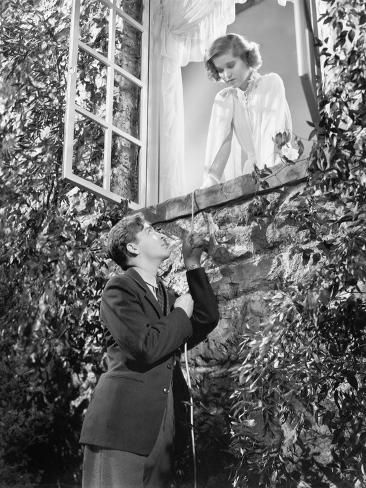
x,y
300,377
300,402
52,266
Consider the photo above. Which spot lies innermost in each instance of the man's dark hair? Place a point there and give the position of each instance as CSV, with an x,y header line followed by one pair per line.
x,y
120,235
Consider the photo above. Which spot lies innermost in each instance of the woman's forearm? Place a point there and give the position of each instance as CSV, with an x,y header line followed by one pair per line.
x,y
222,156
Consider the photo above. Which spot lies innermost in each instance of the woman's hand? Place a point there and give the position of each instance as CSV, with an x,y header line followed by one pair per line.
x,y
210,180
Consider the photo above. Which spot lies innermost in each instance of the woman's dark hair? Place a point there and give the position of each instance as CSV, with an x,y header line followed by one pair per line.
x,y
120,235
239,46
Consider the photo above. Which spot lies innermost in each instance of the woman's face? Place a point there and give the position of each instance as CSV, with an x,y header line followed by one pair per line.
x,y
231,69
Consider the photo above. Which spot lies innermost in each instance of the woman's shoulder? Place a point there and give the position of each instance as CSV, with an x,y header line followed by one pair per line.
x,y
271,79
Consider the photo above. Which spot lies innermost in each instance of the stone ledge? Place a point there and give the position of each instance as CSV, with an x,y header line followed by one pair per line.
x,y
228,193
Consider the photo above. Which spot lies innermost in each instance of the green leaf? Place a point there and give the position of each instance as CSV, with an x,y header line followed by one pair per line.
x,y
351,35
352,380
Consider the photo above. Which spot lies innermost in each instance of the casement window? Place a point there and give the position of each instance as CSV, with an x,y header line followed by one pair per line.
x,y
124,124
106,113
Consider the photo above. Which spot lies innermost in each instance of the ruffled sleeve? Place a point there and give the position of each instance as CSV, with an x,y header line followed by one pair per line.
x,y
219,127
273,116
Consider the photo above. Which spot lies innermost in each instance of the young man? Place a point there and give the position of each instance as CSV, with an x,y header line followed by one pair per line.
x,y
129,427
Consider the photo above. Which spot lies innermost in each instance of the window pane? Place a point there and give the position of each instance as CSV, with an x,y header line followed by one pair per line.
x,y
125,168
88,150
126,105
91,84
132,8
94,25
128,47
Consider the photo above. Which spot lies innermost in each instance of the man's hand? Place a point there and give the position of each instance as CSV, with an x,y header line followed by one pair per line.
x,y
186,302
193,246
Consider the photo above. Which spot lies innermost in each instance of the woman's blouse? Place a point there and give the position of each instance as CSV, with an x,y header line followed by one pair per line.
x,y
256,116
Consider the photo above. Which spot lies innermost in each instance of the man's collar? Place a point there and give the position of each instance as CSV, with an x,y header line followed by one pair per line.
x,y
146,277
135,275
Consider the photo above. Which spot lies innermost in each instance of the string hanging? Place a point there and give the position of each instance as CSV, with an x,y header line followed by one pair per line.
x,y
191,416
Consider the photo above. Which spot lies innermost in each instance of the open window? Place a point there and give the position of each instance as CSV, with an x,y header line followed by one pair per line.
x,y
126,126
106,114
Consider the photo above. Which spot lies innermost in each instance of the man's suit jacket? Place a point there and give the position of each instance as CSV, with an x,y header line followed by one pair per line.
x,y
128,404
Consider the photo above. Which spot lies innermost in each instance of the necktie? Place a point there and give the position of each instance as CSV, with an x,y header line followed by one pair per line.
x,y
162,297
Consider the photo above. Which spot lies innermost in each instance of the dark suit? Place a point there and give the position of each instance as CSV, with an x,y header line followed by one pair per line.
x,y
129,401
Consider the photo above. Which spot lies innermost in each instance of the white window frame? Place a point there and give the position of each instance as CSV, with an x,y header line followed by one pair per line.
x,y
306,28
107,123
305,18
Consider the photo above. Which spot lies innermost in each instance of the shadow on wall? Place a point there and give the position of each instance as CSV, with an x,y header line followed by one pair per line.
x,y
272,26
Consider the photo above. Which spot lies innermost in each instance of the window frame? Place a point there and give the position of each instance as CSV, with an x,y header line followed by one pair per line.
x,y
107,123
306,16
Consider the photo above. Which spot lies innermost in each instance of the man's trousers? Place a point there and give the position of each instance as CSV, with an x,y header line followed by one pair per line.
x,y
109,468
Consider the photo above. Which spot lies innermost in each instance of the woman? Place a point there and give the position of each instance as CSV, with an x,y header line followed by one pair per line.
x,y
252,107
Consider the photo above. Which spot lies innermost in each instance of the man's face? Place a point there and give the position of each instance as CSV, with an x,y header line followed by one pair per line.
x,y
151,244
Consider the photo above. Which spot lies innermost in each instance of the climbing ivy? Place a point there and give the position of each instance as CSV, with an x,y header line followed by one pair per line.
x,y
300,402
52,264
299,407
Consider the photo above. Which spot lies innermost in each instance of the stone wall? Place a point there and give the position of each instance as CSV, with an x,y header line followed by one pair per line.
x,y
250,253
257,243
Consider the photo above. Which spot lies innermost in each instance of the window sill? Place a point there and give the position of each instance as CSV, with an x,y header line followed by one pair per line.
x,y
233,191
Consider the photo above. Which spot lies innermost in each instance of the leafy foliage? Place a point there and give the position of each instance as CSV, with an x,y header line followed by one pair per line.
x,y
299,407
211,401
52,262
300,403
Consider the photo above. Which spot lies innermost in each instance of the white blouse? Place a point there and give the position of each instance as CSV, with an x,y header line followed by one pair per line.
x,y
256,115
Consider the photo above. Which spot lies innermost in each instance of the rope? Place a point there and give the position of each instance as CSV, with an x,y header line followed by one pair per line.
x,y
191,416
